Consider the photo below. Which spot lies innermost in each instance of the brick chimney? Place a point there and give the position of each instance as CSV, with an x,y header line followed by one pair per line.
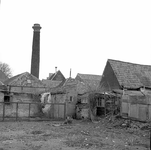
x,y
35,60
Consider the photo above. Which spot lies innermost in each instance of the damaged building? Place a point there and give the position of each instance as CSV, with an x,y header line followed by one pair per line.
x,y
22,89
132,82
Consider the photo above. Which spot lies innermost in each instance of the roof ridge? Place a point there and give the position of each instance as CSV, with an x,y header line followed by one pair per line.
x,y
88,74
128,62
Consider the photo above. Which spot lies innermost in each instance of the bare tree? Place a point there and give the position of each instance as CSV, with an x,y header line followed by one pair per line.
x,y
5,68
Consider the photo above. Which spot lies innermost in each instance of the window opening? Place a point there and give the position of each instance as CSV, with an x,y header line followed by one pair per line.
x,y
7,99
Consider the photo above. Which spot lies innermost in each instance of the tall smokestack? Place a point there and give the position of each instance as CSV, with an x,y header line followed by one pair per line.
x,y
35,60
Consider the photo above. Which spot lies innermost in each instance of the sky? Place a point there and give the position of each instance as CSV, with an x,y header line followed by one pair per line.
x,y
77,34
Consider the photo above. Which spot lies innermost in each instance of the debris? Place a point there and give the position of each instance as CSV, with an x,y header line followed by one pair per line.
x,y
56,125
36,132
84,133
68,120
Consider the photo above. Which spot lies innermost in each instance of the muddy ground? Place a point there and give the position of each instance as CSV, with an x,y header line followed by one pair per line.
x,y
80,135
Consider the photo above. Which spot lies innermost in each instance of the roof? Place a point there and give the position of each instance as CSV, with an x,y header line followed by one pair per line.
x,y
51,83
91,80
89,76
130,75
70,81
132,92
3,77
52,76
24,79
57,90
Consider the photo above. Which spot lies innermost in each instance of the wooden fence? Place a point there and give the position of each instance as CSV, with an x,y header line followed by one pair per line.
x,y
31,111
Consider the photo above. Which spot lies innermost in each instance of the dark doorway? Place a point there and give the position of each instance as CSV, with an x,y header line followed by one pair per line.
x,y
100,111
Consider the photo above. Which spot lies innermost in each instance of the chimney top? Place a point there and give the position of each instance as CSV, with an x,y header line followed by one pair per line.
x,y
55,69
36,27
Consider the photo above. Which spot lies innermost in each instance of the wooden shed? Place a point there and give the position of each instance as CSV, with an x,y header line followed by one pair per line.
x,y
136,105
133,82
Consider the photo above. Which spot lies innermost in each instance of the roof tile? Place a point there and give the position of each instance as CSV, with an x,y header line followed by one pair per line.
x,y
131,75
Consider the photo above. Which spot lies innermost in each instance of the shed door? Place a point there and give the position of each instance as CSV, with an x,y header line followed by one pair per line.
x,y
134,109
142,112
125,108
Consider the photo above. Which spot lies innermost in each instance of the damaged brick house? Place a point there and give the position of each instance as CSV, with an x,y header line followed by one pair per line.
x,y
92,83
67,92
22,88
133,83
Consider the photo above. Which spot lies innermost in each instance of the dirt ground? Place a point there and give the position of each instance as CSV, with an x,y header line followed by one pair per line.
x,y
80,135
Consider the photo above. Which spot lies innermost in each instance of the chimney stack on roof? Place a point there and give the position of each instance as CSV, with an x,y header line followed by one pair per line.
x,y
35,60
55,69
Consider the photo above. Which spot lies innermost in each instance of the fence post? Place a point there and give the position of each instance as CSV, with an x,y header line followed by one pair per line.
x,y
58,112
53,109
104,104
29,111
3,110
65,109
16,111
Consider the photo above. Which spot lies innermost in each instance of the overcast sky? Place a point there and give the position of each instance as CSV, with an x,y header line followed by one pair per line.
x,y
76,34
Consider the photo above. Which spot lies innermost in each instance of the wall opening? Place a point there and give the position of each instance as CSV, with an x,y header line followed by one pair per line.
x,y
7,99
100,111
71,99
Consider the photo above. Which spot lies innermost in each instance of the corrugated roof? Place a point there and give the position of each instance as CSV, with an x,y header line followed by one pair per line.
x,y
131,75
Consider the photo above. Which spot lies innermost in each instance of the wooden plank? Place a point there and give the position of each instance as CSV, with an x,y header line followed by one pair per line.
x,y
3,111
65,105
16,111
58,111
52,110
29,111
104,105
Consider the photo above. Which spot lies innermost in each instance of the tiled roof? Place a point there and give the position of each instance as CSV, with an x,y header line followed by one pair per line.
x,y
51,83
89,76
131,75
70,81
91,80
24,79
51,75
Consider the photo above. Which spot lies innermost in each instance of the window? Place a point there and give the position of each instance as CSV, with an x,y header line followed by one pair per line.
x,y
7,99
71,98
